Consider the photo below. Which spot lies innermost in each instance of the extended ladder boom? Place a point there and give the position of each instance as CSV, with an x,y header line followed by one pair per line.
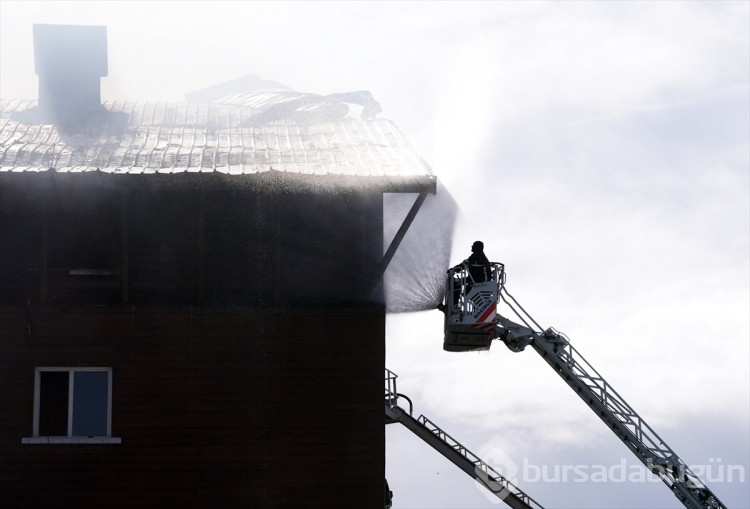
x,y
451,449
611,408
637,435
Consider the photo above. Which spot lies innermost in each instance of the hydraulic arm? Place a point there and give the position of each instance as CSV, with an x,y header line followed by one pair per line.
x,y
465,332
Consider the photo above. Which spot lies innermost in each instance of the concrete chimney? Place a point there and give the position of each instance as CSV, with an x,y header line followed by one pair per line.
x,y
70,61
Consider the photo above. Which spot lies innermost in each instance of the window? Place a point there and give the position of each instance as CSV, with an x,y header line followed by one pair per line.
x,y
72,405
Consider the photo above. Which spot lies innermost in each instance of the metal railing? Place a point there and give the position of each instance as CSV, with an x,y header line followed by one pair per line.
x,y
487,475
391,395
453,450
612,408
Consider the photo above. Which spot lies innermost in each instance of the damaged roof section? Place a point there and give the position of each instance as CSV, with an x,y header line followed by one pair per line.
x,y
267,100
244,126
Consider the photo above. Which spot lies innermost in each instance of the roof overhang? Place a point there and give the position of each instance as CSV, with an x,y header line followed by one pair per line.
x,y
273,181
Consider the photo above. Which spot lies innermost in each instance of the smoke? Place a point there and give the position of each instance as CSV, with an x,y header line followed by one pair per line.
x,y
415,278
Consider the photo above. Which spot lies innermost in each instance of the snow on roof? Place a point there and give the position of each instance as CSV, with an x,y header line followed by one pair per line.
x,y
237,135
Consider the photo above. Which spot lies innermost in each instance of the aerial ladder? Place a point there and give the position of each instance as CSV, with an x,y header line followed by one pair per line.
x,y
472,322
481,471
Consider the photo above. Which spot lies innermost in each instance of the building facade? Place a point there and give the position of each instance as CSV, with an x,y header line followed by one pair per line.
x,y
189,305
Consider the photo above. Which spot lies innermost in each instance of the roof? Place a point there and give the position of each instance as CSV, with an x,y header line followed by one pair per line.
x,y
171,138
307,136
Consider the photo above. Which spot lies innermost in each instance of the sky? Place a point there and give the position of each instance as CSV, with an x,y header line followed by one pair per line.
x,y
601,152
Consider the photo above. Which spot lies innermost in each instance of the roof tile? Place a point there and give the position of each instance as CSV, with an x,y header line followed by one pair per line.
x,y
195,137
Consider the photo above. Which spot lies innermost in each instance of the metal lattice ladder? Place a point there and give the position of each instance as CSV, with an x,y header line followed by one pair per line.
x,y
624,421
454,451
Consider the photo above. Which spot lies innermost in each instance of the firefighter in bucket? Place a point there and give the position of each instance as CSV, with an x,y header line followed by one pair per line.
x,y
470,304
479,269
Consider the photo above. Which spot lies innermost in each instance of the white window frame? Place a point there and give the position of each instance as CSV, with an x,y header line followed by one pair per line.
x,y
70,439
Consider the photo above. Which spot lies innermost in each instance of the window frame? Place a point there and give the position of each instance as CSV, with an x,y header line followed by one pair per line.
x,y
69,438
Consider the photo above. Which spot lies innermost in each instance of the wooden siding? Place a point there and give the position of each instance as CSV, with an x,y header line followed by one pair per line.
x,y
267,246
247,358
215,408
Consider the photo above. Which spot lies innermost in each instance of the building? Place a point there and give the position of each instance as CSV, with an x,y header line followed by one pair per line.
x,y
190,307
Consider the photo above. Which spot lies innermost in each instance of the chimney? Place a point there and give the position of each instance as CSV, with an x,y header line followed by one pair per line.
x,y
70,61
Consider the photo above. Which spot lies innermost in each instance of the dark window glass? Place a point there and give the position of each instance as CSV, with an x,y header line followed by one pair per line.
x,y
90,402
53,403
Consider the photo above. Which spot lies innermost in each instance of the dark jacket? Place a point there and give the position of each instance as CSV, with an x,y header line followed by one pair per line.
x,y
478,266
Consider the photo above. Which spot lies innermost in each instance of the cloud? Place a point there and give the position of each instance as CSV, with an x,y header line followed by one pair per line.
x,y
561,474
